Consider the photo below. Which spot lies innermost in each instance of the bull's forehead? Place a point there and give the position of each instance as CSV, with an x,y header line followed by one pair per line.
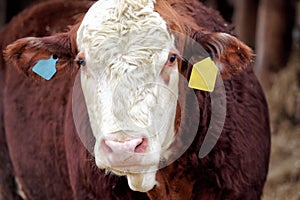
x,y
123,31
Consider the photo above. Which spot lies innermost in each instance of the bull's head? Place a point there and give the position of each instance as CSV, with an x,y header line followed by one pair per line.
x,y
130,82
130,68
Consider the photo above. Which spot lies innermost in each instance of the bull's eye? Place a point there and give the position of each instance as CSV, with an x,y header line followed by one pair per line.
x,y
171,60
82,62
81,59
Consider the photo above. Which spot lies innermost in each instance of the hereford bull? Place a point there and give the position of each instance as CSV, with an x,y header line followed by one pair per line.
x,y
133,75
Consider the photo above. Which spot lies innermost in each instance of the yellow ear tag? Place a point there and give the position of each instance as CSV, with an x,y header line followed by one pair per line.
x,y
204,75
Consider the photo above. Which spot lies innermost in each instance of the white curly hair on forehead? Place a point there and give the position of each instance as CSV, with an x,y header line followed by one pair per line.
x,y
120,29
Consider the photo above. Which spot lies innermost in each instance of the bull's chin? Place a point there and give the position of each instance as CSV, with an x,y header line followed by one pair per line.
x,y
141,179
143,182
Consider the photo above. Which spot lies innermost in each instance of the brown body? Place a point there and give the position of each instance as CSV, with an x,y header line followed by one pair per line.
x,y
46,155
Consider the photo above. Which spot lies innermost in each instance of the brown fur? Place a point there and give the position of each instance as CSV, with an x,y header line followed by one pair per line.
x,y
52,163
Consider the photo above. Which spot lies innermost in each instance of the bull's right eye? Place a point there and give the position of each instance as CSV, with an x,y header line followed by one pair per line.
x,y
82,62
81,59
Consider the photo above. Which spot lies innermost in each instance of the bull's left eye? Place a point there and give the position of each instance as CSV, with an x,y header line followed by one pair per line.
x,y
171,60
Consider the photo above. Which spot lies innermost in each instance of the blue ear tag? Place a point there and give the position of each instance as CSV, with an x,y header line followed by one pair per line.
x,y
46,68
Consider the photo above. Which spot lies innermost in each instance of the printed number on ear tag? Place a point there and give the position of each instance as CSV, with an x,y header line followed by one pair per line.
x,y
46,68
204,75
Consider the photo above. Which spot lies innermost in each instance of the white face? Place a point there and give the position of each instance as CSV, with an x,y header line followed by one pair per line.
x,y
130,84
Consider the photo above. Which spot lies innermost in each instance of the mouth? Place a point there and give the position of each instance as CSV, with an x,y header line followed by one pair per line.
x,y
128,145
140,178
129,156
126,155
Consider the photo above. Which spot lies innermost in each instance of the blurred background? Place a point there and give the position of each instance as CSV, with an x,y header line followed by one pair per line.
x,y
272,29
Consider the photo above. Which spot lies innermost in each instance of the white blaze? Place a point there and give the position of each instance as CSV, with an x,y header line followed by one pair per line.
x,y
126,45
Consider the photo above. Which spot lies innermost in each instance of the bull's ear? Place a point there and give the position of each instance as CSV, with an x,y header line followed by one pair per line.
x,y
25,53
229,53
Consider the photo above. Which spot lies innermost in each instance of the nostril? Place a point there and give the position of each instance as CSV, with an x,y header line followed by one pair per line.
x,y
141,147
106,148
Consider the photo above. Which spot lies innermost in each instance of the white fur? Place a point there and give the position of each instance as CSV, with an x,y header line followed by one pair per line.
x,y
126,45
